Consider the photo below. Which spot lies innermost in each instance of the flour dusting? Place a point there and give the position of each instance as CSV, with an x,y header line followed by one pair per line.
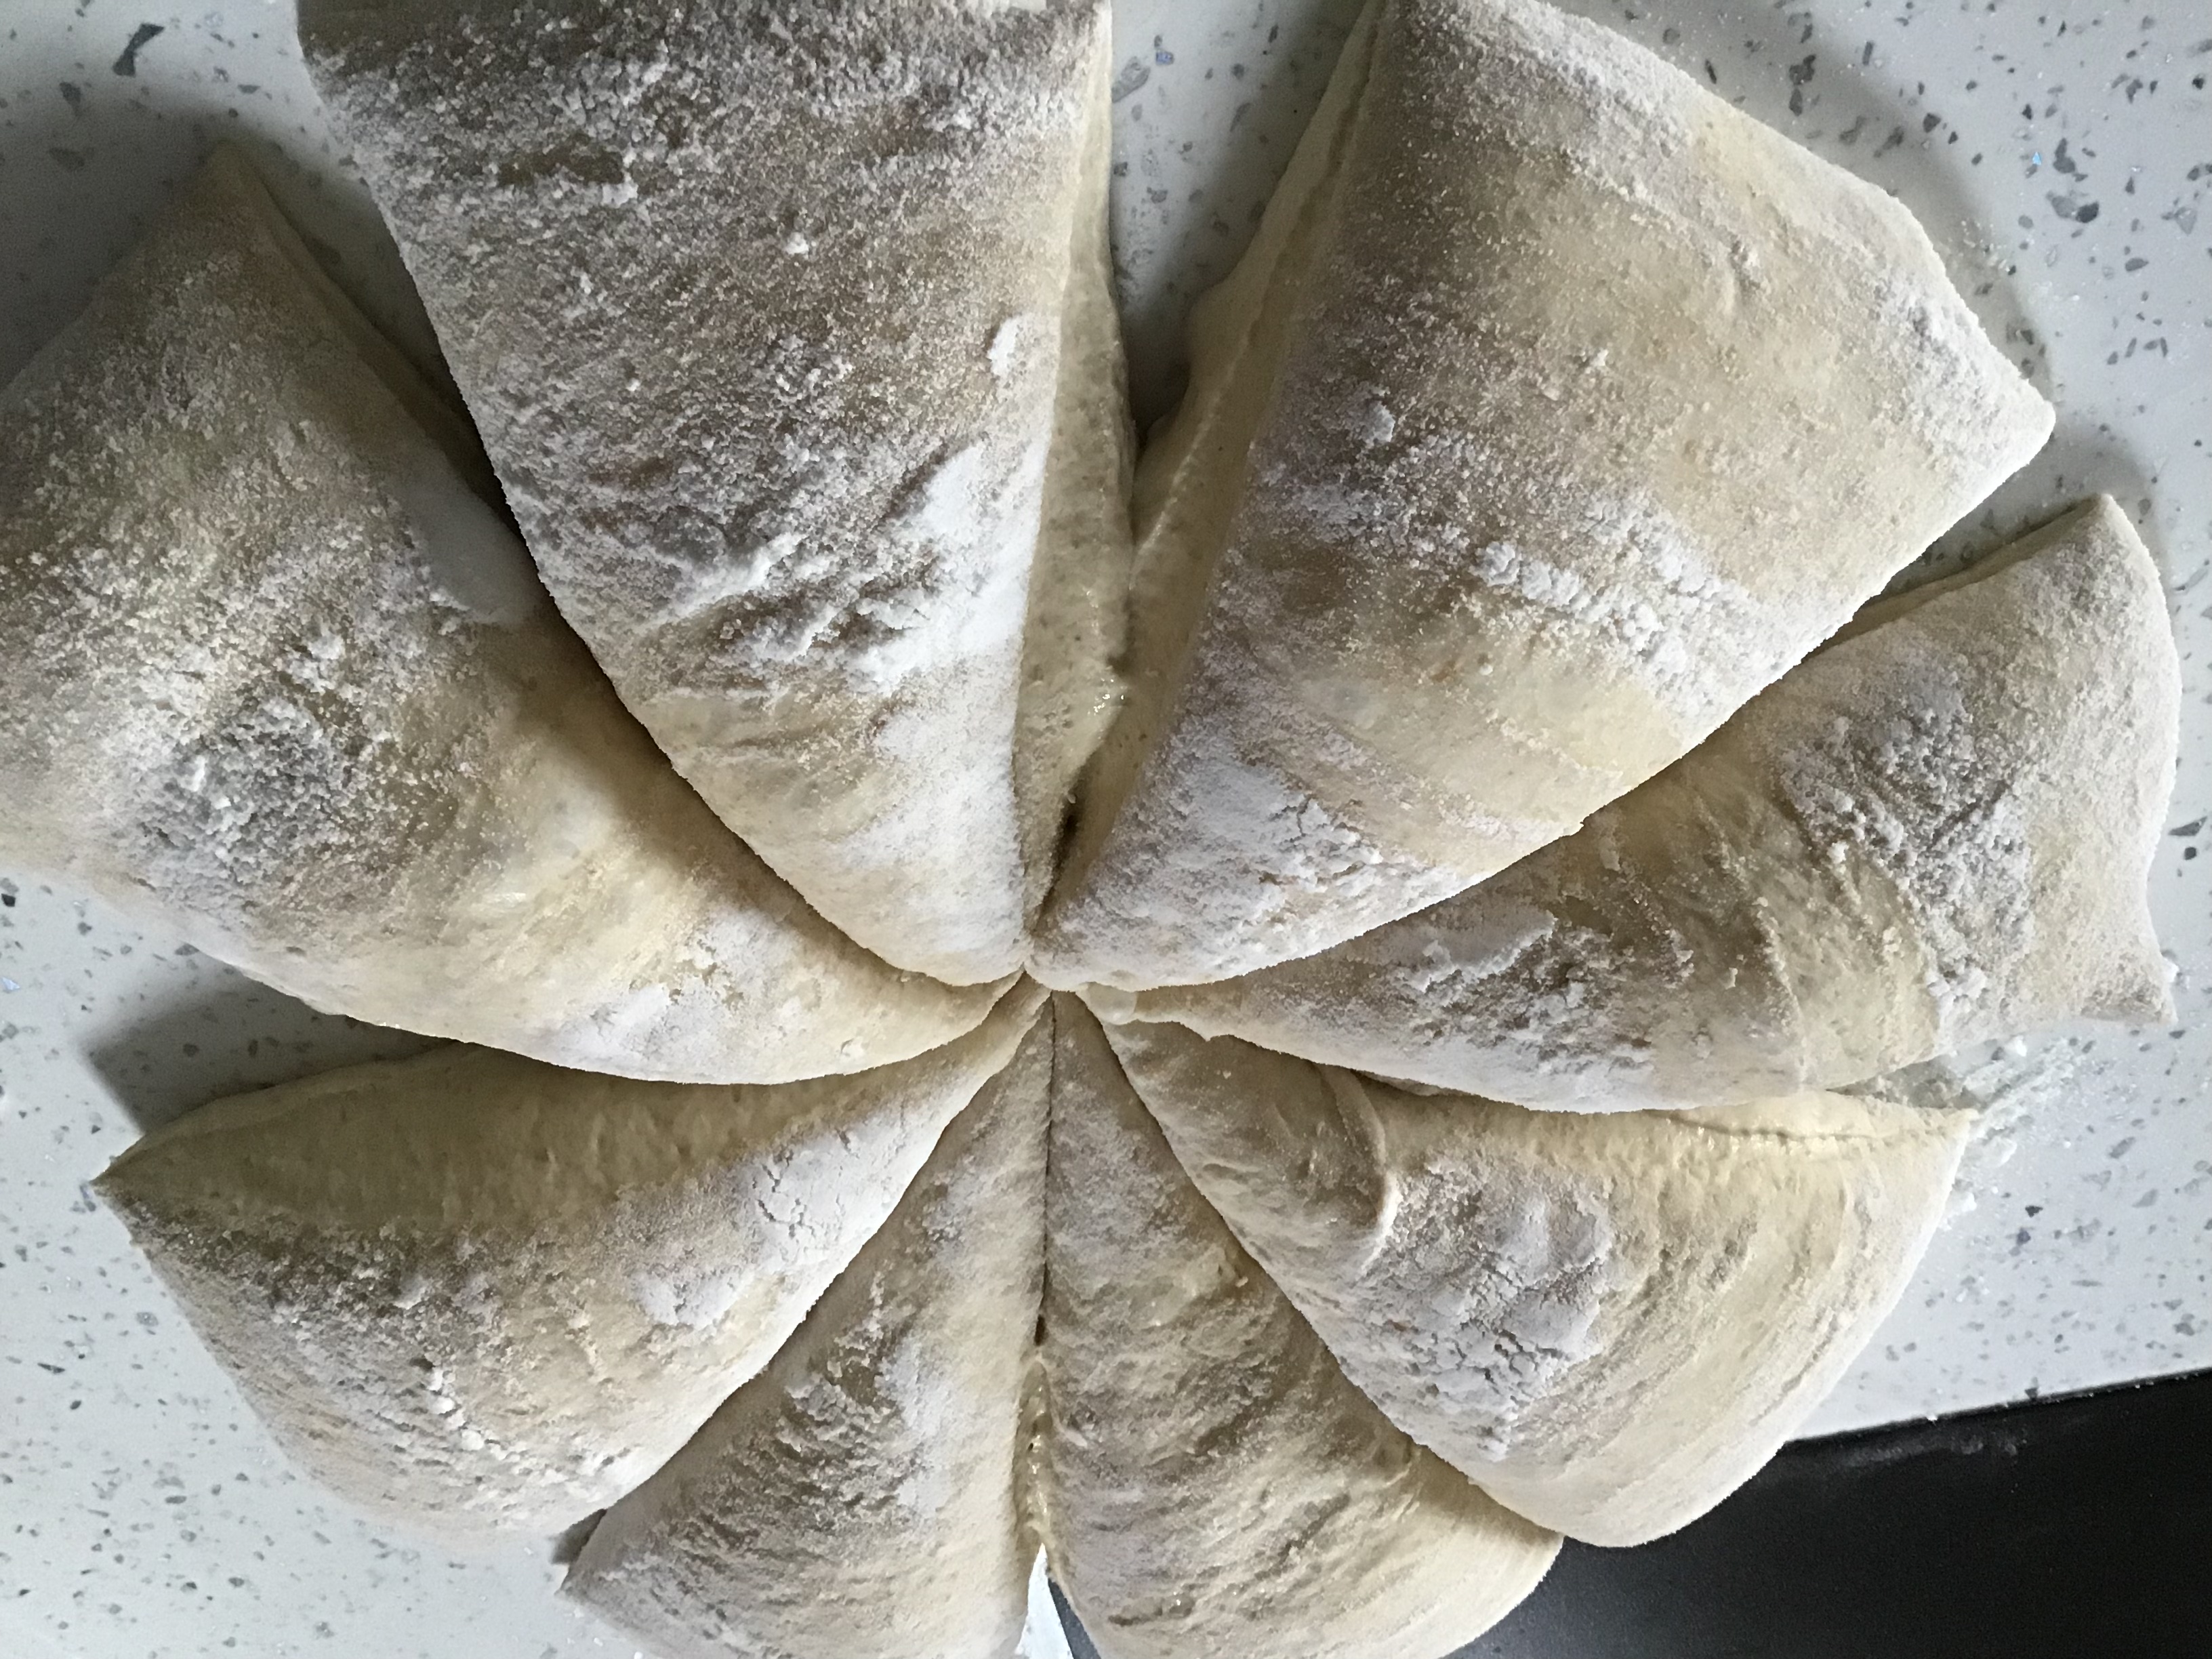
x,y
777,432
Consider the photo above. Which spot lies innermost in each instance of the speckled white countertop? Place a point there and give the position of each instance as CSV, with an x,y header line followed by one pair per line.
x,y
2059,152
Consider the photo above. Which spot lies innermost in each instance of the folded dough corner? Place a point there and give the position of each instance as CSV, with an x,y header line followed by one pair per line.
x,y
1935,831
858,1496
477,1294
1212,1482
1607,1323
792,343
277,679
1558,408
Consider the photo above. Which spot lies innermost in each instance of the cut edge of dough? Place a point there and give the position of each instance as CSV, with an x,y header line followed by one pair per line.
x,y
2099,511
1078,1027
1002,1025
1063,711
1239,334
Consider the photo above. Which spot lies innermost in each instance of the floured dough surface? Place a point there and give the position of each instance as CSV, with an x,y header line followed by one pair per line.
x,y
1212,1483
1608,1323
278,680
1075,642
856,1500
477,1294
762,312
1936,831
1472,519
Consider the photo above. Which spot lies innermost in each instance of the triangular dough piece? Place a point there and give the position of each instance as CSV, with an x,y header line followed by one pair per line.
x,y
1608,1323
1558,408
1936,831
277,680
479,1294
765,320
1212,1484
856,1500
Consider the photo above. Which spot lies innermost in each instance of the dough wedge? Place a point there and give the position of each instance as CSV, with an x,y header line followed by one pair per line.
x,y
1558,408
1211,1483
788,332
1936,831
856,1500
1607,1323
476,1294
278,680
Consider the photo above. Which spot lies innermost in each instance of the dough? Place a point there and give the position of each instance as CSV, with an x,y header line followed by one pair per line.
x,y
1607,1323
1558,408
762,312
478,1294
1936,831
1211,1483
1072,686
856,1499
278,681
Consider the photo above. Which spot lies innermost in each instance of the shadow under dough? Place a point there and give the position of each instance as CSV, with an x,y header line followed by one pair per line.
x,y
226,1035
92,155
1187,201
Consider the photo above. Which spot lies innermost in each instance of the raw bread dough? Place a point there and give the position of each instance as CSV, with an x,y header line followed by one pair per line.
x,y
1936,831
1607,1323
479,1294
762,312
278,680
1211,1483
1075,638
856,1500
1558,408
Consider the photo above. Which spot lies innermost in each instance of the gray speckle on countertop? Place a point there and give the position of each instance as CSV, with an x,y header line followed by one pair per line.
x,y
105,109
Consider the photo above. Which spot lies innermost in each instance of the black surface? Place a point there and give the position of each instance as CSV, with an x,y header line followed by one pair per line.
x,y
2079,1527
2074,1528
